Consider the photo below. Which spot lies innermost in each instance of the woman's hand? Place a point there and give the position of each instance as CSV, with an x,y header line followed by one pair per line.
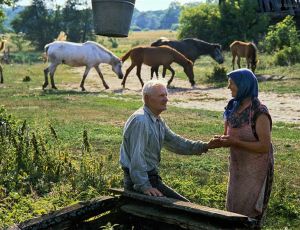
x,y
227,140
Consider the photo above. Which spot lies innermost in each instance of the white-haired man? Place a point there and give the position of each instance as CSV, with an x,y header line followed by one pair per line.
x,y
145,133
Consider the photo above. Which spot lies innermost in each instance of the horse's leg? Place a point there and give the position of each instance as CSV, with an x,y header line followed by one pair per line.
x,y
46,71
138,73
233,61
248,62
126,74
173,74
86,71
101,76
156,71
239,62
52,69
153,70
164,72
1,74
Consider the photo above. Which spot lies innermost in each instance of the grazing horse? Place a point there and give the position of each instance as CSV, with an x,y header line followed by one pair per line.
x,y
89,54
192,49
156,56
244,49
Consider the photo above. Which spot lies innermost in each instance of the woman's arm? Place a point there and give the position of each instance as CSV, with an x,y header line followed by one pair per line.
x,y
263,131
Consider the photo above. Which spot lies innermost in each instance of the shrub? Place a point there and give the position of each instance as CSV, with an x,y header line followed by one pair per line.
x,y
280,35
287,56
218,74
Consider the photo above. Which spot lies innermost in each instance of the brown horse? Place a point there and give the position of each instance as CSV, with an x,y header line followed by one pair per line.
x,y
156,56
244,49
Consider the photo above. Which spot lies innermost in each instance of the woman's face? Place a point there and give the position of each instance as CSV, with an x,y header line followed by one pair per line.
x,y
233,88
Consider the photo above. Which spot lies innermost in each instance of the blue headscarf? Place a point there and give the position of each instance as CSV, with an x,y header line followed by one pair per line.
x,y
247,85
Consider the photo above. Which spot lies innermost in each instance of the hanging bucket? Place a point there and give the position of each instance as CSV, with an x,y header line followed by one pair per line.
x,y
112,18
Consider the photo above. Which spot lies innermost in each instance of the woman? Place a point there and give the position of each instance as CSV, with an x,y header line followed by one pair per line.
x,y
248,134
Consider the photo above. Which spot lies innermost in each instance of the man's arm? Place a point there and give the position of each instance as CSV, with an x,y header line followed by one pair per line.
x,y
180,145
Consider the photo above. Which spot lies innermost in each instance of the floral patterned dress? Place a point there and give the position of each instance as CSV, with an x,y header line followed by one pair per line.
x,y
250,174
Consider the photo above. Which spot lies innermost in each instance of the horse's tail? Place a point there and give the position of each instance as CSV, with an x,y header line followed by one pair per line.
x,y
2,45
126,56
46,48
254,51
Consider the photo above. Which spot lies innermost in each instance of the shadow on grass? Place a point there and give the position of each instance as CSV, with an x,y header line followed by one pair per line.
x,y
67,92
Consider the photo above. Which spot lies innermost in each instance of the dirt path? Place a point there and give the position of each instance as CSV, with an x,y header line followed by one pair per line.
x,y
284,108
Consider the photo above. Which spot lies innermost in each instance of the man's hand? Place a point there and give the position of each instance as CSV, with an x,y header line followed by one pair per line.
x,y
153,192
215,143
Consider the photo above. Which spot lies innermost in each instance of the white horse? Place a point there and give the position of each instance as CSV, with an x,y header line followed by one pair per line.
x,y
89,54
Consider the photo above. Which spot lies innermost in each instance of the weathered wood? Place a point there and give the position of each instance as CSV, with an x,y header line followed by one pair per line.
x,y
66,217
187,208
161,215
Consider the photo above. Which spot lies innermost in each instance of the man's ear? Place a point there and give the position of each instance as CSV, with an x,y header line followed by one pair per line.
x,y
146,99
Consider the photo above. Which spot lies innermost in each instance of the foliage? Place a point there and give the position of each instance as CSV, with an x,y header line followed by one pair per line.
x,y
114,42
76,22
171,16
232,20
282,34
219,74
240,21
32,21
201,21
287,56
2,14
18,40
41,25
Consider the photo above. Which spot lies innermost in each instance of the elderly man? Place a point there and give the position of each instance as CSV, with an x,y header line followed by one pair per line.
x,y
145,133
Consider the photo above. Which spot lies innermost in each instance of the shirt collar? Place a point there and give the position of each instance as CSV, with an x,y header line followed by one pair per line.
x,y
152,116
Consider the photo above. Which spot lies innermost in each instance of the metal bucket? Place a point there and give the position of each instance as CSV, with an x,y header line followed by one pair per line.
x,y
112,17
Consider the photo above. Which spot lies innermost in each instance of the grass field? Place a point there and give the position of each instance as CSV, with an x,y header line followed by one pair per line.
x,y
68,149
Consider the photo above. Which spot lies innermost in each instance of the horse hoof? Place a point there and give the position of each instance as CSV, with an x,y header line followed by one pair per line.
x,y
106,87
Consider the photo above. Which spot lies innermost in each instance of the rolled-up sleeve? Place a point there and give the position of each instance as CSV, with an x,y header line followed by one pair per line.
x,y
180,145
137,137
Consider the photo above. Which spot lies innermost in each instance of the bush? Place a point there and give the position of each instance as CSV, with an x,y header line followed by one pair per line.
x,y
219,74
282,34
287,56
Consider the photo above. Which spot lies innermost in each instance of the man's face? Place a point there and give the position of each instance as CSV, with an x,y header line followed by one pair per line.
x,y
157,99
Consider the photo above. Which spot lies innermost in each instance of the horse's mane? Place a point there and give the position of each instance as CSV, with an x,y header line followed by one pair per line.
x,y
101,48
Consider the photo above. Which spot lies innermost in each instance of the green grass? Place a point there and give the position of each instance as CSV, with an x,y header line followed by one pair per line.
x,y
84,175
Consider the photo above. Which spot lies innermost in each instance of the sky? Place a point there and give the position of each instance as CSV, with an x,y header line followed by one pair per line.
x,y
141,5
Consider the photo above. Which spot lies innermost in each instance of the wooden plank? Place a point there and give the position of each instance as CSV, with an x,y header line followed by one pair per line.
x,y
187,207
65,217
160,215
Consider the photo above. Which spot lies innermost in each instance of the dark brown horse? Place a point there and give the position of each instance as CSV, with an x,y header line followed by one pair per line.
x,y
156,56
247,50
191,48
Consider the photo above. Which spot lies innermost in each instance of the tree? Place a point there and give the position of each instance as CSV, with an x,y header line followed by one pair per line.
x,y
41,25
171,16
34,23
282,34
78,22
201,21
240,21
2,14
231,20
